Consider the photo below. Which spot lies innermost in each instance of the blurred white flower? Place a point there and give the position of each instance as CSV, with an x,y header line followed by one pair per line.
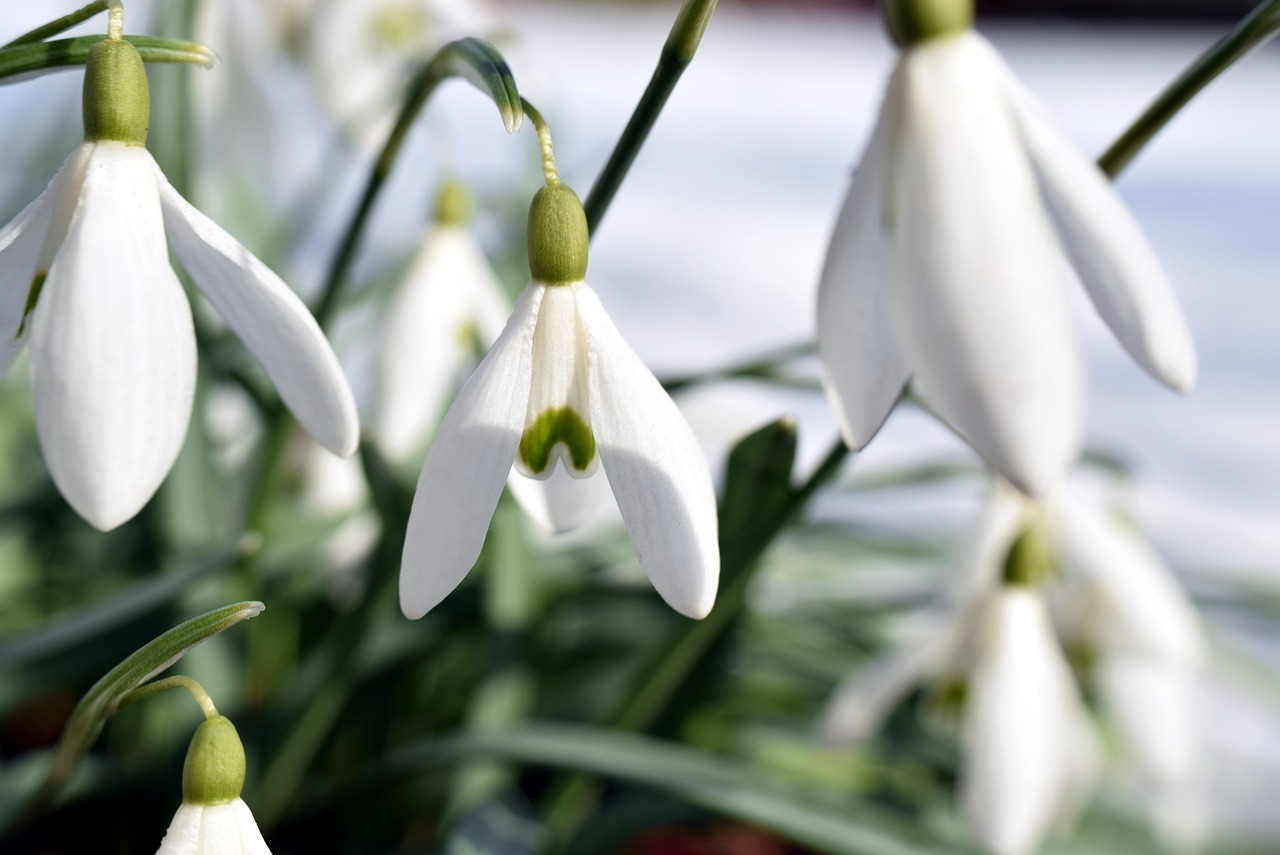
x,y
948,267
222,829
1147,652
450,305
361,53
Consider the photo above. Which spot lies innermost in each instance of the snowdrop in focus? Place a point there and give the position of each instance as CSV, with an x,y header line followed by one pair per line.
x,y
85,275
213,819
948,265
561,389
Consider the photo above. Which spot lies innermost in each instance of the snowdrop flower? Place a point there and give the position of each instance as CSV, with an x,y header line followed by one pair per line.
x,y
948,265
561,389
213,819
85,274
450,304
1028,754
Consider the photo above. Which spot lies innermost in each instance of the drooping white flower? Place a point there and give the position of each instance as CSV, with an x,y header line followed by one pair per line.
x,y
85,275
1027,751
449,304
560,388
949,267
213,819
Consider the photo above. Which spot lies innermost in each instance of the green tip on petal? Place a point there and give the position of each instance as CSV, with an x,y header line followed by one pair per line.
x,y
117,101
913,21
453,204
214,771
1030,562
557,425
558,236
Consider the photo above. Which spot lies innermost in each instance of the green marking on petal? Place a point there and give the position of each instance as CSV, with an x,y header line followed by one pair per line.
x,y
33,295
557,425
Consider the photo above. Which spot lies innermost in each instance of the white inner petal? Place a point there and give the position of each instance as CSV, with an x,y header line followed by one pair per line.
x,y
557,425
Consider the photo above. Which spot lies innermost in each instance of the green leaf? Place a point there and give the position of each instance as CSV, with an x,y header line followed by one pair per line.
x,y
27,60
60,25
101,701
830,820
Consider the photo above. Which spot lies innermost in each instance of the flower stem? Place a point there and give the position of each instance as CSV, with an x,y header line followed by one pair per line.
x,y
677,53
60,25
1254,30
466,57
115,20
177,681
544,143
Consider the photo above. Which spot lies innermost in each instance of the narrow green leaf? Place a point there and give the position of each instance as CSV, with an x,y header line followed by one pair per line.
x,y
29,60
101,701
827,819
60,25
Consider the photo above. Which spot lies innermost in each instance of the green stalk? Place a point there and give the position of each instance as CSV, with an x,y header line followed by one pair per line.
x,y
467,58
60,25
1256,28
677,53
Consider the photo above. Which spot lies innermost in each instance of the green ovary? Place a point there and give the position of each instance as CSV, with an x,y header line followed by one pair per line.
x,y
557,425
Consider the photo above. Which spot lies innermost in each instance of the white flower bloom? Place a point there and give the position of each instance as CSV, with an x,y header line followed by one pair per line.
x,y
948,267
223,829
450,301
560,387
113,355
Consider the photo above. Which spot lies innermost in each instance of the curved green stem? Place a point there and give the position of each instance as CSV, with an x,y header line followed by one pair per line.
x,y
60,25
178,681
471,59
544,143
677,53
1256,28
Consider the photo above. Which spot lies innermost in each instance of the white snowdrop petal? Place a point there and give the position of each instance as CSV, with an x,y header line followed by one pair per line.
x,y
561,502
1016,770
976,279
1111,255
39,226
466,466
113,356
251,841
864,369
655,467
431,334
183,836
269,318
1149,611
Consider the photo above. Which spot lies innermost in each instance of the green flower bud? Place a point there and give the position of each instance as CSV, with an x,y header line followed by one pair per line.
x,y
557,236
453,204
913,21
1031,562
117,102
213,773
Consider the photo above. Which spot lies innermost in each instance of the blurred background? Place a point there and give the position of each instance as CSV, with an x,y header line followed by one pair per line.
x,y
708,259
